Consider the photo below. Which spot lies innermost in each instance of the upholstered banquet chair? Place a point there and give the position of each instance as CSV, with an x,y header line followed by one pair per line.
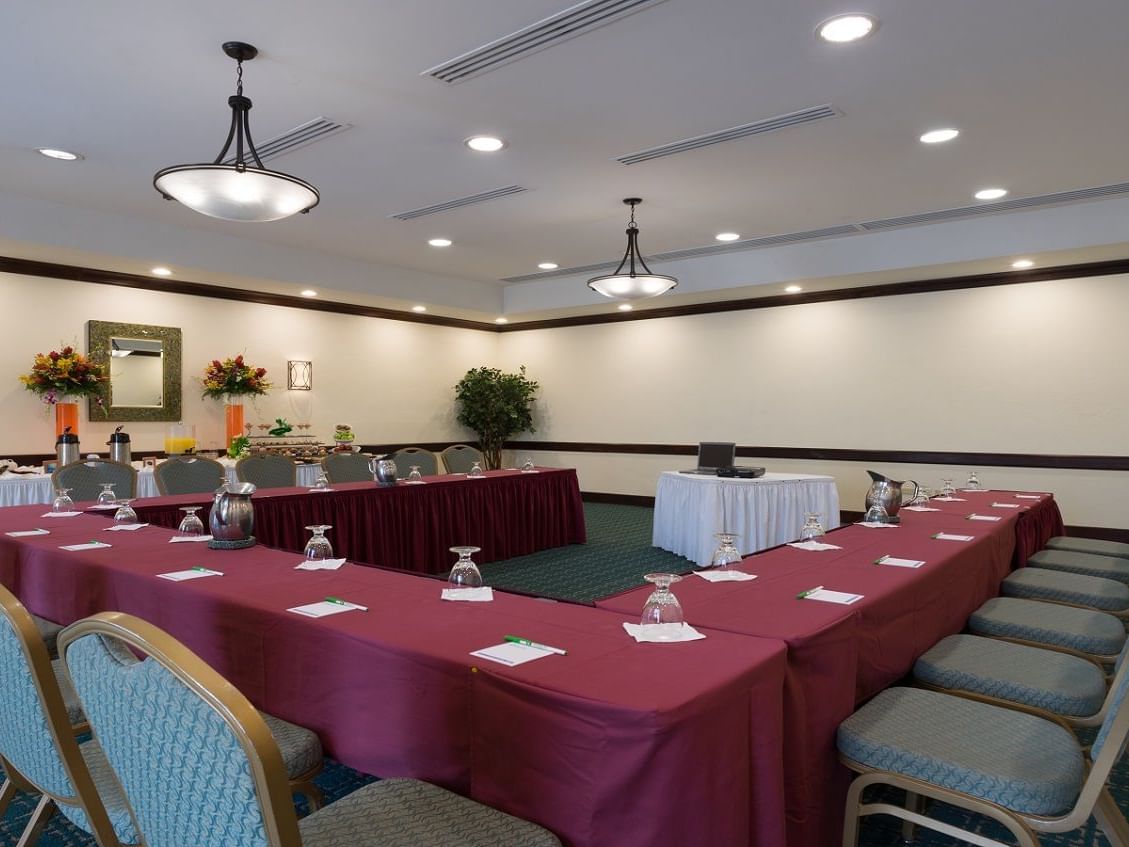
x,y
189,475
86,477
199,766
405,457
37,740
459,457
267,471
1086,564
1026,772
1069,589
347,467
1096,546
1085,632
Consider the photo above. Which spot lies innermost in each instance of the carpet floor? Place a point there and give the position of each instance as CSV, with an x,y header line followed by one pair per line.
x,y
615,558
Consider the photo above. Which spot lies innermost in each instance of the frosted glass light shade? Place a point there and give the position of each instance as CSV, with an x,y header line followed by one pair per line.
x,y
628,287
230,194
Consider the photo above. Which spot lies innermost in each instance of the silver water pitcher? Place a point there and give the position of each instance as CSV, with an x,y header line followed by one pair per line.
x,y
383,471
119,447
232,519
889,494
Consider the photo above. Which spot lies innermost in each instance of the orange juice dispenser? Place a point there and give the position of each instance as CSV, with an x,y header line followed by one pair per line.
x,y
180,439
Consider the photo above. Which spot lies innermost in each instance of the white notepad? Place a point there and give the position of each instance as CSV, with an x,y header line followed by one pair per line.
x,y
894,561
948,536
23,533
975,517
510,653
1005,505
872,525
178,539
326,608
919,509
1027,496
61,514
725,576
485,594
813,545
90,545
842,597
191,573
320,564
102,507
125,527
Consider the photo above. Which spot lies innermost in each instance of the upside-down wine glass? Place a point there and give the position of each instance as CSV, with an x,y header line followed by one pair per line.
x,y
812,528
876,514
318,547
322,482
527,466
662,607
973,483
947,489
476,471
62,501
190,524
726,553
106,496
465,573
414,475
125,513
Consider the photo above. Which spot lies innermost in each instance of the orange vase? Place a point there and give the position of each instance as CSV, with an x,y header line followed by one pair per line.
x,y
233,418
66,414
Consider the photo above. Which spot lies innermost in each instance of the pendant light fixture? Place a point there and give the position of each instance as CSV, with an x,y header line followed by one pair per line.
x,y
243,190
632,280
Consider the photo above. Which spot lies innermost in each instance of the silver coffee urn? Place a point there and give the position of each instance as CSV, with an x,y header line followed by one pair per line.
x,y
119,447
66,448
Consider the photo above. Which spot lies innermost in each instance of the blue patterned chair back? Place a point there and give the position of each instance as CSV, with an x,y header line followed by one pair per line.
x,y
189,475
35,732
408,456
195,759
458,458
267,471
85,479
347,467
1119,687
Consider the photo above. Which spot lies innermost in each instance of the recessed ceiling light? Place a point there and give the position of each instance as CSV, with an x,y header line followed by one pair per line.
x,y
160,271
485,143
548,266
727,236
440,242
309,292
793,289
990,193
419,308
54,153
500,321
937,136
843,28
1020,264
625,307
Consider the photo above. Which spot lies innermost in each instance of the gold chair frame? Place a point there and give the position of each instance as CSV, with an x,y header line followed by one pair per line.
x,y
63,735
280,822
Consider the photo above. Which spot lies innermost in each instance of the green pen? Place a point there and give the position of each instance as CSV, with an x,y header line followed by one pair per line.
x,y
341,602
881,558
804,594
513,639
206,570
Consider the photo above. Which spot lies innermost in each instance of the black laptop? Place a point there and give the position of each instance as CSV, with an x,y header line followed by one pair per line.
x,y
713,455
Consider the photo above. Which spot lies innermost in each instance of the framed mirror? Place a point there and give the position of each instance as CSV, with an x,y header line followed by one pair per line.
x,y
144,366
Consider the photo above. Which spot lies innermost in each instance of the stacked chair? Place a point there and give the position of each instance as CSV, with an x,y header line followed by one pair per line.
x,y
1035,668
85,479
199,766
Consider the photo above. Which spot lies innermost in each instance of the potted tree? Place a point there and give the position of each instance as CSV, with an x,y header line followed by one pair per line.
x,y
497,406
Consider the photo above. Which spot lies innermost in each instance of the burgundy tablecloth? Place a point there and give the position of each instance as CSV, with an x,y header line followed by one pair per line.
x,y
840,655
412,527
616,743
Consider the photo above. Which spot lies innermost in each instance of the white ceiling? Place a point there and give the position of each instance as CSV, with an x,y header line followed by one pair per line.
x,y
1035,86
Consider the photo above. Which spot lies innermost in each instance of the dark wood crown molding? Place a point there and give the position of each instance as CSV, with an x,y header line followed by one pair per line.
x,y
99,276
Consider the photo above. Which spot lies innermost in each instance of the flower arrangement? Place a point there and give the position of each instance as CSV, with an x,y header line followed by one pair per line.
x,y
234,376
64,372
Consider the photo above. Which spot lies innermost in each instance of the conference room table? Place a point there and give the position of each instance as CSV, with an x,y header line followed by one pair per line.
x,y
410,526
691,508
615,743
840,655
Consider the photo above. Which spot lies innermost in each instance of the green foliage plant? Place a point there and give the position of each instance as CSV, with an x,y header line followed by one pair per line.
x,y
497,406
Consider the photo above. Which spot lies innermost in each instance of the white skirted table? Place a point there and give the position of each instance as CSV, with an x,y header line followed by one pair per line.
x,y
764,512
24,489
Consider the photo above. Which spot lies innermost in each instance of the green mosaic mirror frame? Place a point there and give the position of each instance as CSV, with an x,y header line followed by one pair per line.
x,y
98,335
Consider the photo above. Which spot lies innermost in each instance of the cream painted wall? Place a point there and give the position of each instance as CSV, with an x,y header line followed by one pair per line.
x,y
391,380
1036,368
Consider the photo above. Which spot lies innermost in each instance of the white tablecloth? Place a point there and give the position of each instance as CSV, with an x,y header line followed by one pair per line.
x,y
764,512
22,489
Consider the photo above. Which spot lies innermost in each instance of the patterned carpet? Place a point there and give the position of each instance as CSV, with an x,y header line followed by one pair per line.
x,y
618,553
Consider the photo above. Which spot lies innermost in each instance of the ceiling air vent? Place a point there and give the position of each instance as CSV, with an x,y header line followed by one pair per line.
x,y
302,135
573,21
459,203
803,116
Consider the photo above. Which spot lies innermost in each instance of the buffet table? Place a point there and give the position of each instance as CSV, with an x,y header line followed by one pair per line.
x,y
769,510
22,489
840,655
412,526
615,743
